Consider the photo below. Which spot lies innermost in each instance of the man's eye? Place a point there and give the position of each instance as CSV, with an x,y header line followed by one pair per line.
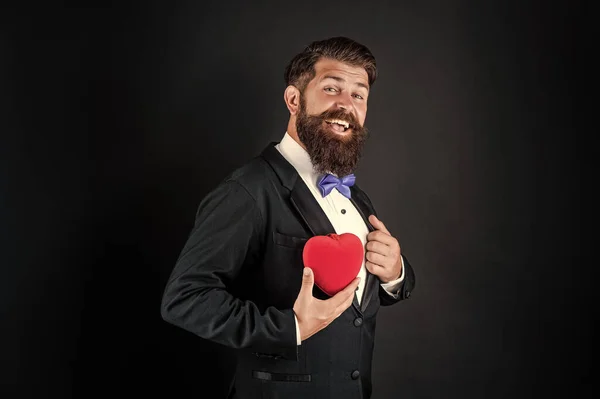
x,y
330,89
358,96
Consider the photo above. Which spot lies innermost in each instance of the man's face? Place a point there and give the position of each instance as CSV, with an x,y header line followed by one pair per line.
x,y
330,119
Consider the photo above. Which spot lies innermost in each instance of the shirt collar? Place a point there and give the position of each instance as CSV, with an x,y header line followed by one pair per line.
x,y
293,152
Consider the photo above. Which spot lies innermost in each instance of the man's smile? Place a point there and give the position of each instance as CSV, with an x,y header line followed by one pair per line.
x,y
338,126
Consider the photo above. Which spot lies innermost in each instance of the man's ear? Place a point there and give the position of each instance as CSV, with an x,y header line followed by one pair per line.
x,y
291,96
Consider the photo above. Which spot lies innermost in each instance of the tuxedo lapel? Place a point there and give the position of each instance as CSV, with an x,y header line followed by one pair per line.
x,y
310,210
371,281
300,196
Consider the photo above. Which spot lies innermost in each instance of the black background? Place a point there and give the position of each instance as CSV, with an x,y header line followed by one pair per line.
x,y
118,120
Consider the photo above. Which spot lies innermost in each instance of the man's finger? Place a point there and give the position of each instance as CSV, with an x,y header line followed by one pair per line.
x,y
347,292
378,247
378,224
376,258
344,305
374,268
381,236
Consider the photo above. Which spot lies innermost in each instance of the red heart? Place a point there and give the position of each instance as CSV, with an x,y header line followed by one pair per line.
x,y
334,259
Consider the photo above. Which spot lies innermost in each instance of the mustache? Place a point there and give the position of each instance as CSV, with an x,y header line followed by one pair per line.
x,y
340,114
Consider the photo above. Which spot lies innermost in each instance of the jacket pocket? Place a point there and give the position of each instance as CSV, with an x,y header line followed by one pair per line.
x,y
281,377
289,241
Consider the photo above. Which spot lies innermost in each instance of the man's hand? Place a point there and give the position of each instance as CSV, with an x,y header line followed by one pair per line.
x,y
315,314
383,253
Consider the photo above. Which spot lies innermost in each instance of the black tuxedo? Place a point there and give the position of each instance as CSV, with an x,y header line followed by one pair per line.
x,y
239,274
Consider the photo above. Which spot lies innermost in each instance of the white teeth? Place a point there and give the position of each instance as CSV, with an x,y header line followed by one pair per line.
x,y
339,122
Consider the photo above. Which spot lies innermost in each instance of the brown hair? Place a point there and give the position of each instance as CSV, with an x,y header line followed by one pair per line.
x,y
301,68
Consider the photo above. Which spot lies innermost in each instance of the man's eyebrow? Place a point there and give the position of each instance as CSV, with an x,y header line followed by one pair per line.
x,y
338,79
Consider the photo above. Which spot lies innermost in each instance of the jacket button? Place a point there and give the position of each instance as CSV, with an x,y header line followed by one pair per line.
x,y
355,374
358,322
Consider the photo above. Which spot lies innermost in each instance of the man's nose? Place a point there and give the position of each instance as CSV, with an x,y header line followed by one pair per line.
x,y
344,101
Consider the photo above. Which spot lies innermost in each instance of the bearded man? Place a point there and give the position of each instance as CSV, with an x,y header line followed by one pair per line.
x,y
240,279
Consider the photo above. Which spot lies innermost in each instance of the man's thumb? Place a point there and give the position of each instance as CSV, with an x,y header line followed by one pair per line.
x,y
307,280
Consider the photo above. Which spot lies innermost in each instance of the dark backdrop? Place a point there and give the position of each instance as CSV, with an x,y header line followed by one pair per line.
x,y
118,120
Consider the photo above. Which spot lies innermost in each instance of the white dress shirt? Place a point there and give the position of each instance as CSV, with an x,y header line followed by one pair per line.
x,y
340,211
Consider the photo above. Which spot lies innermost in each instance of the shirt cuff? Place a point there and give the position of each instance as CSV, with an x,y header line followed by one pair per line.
x,y
392,287
298,340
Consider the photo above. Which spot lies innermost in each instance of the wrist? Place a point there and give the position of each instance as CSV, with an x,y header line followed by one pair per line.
x,y
398,275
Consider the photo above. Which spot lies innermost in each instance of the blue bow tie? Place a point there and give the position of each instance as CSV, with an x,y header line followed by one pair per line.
x,y
329,182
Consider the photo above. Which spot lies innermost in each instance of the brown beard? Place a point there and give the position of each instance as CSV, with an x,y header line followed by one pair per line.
x,y
330,153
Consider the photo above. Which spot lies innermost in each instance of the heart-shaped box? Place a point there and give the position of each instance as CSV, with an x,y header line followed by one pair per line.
x,y
334,259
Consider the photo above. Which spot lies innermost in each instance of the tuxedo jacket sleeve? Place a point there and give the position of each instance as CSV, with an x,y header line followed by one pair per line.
x,y
200,297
